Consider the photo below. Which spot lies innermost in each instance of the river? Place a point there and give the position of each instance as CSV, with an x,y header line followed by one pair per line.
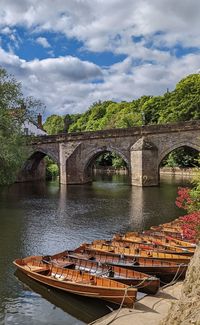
x,y
45,218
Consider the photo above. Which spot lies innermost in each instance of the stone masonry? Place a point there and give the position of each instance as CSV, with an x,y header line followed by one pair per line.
x,y
142,148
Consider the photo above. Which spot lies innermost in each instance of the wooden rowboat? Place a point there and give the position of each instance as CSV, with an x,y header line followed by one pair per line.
x,y
164,270
149,235
160,232
168,228
76,281
161,243
143,282
134,252
168,231
159,247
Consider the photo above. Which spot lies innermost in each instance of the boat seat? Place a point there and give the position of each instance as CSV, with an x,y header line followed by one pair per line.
x,y
37,269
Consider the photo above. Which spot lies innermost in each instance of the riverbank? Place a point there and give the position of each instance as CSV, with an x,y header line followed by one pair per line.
x,y
176,171
171,171
149,310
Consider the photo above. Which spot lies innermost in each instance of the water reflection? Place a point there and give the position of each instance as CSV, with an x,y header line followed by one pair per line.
x,y
40,218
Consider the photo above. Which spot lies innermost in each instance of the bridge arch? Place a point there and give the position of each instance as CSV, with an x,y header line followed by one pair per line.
x,y
93,154
174,146
34,167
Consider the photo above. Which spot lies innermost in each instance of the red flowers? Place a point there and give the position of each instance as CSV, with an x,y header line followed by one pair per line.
x,y
191,221
191,225
183,200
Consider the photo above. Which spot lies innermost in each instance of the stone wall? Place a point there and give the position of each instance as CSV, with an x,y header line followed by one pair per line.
x,y
187,310
173,171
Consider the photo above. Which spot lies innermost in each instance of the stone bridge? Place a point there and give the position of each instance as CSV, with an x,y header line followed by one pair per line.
x,y
142,148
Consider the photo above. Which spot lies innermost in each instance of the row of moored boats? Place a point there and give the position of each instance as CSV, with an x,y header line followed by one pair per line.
x,y
114,270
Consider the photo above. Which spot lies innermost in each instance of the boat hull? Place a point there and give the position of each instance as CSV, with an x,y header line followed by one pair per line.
x,y
112,250
115,295
144,282
164,270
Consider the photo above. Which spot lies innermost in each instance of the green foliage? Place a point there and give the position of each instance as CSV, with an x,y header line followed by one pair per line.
x,y
69,120
52,170
12,153
110,159
195,191
11,141
183,157
54,124
14,110
183,104
117,161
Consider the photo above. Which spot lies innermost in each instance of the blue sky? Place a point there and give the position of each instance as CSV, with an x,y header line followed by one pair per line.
x,y
72,53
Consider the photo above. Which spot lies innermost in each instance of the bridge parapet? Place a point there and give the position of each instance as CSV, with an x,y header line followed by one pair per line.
x,y
144,130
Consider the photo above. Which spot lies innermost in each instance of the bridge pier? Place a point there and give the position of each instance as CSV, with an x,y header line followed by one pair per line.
x,y
62,159
144,163
71,168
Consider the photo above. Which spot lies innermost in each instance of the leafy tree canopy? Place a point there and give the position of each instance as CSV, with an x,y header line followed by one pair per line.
x,y
14,109
54,124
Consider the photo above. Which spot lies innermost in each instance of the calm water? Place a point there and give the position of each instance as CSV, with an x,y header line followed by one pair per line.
x,y
41,219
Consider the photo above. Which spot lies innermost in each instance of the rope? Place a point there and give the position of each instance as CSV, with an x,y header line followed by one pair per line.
x,y
120,307
146,285
175,278
139,284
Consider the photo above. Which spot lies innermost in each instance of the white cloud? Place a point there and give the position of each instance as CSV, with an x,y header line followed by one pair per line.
x,y
67,84
98,22
6,30
43,41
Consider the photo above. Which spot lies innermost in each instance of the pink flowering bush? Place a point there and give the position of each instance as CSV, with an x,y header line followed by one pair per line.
x,y
183,200
189,200
191,225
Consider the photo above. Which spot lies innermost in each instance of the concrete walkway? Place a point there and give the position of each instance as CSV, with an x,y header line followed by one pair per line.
x,y
148,310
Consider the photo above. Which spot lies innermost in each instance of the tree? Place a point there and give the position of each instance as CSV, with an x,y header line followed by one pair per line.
x,y
54,124
70,119
14,109
183,103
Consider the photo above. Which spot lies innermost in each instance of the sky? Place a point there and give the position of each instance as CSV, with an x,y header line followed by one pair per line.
x,y
72,53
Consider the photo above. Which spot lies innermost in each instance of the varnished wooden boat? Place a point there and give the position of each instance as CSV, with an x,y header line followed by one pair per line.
x,y
176,232
160,232
153,245
143,282
149,235
76,281
164,270
161,243
134,252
